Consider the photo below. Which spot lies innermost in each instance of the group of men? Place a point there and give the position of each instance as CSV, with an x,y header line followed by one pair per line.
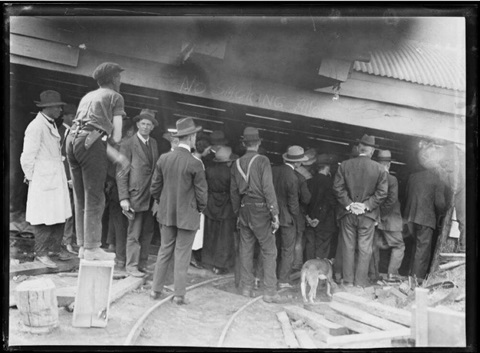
x,y
272,205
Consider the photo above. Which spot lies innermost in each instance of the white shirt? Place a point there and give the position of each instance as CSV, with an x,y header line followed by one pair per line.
x,y
142,139
184,145
291,166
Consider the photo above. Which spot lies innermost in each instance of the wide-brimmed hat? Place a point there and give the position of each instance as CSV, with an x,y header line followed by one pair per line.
x,y
106,69
49,99
295,154
146,114
325,159
311,154
224,154
368,141
384,155
251,134
186,126
217,137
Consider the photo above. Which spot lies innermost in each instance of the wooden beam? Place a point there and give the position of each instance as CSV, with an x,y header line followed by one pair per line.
x,y
314,320
36,268
349,323
340,341
124,286
450,265
452,256
320,308
364,317
400,316
421,317
304,339
44,50
288,333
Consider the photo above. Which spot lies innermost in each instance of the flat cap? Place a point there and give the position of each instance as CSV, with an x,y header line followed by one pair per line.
x,y
106,69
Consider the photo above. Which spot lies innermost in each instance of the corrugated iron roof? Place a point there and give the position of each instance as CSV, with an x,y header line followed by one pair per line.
x,y
420,63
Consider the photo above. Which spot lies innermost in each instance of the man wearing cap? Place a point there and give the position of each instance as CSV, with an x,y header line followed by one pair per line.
x,y
303,174
180,187
134,191
255,203
69,111
99,117
218,242
48,201
388,233
360,186
425,202
321,211
285,183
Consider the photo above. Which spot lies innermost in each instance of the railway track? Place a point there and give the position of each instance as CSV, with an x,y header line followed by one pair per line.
x,y
155,311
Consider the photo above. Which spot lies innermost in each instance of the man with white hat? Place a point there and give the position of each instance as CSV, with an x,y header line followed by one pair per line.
x,y
388,233
180,187
285,183
360,186
48,200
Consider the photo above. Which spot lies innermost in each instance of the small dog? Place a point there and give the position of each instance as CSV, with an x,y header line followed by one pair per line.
x,y
312,271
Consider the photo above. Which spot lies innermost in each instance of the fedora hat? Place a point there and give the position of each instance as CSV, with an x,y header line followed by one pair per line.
x,y
311,154
250,134
368,141
295,154
106,69
186,126
224,154
49,99
384,155
146,114
217,137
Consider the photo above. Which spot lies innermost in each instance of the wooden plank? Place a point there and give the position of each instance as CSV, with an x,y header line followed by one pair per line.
x,y
421,317
365,317
400,316
450,265
36,268
287,329
319,308
375,343
452,256
44,50
304,339
314,320
439,334
349,323
340,341
124,286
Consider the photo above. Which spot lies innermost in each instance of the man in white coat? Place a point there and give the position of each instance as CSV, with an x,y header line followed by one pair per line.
x,y
48,200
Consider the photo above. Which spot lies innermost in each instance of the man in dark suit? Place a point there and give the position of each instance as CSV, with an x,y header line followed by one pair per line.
x,y
425,199
285,183
388,234
134,192
360,186
321,211
180,187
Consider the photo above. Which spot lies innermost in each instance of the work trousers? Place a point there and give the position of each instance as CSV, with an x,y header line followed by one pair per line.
x,y
139,237
117,232
89,171
317,244
69,232
421,251
255,225
387,239
286,244
357,233
48,238
178,243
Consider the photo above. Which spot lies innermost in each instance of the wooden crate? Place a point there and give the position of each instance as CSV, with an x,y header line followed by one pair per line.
x,y
93,293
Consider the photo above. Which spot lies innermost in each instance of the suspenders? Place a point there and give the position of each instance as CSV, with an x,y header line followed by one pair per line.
x,y
242,173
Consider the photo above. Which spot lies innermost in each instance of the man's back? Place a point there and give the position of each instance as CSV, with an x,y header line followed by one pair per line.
x,y
425,193
285,183
180,185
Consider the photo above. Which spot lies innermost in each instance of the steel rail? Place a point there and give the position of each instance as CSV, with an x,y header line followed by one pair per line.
x,y
136,329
